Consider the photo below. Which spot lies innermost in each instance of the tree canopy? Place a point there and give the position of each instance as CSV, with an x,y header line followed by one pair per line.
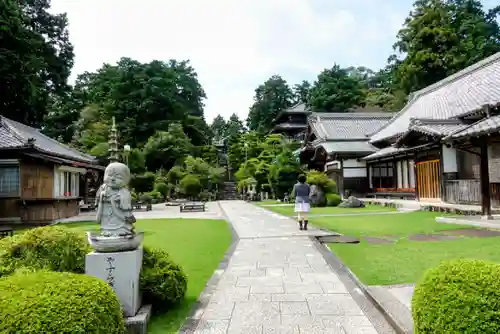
x,y
36,58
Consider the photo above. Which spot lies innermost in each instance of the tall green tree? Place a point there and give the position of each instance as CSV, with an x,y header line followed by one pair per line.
x,y
36,58
144,98
234,126
336,91
270,98
301,92
218,127
166,148
441,37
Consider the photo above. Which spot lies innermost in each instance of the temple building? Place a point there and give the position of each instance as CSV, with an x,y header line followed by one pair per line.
x,y
443,146
335,143
292,122
41,180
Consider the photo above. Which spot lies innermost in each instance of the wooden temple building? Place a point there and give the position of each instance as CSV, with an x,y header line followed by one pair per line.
x,y
336,142
443,146
292,122
41,180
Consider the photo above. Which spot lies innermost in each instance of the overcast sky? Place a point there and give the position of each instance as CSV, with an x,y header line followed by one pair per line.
x,y
235,45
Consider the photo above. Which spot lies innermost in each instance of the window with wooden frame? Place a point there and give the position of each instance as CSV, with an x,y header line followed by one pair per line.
x,y
66,182
9,180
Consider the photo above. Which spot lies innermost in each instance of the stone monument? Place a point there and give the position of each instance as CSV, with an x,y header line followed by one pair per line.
x,y
117,255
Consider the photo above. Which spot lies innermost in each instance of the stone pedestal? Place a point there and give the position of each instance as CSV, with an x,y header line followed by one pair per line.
x,y
121,270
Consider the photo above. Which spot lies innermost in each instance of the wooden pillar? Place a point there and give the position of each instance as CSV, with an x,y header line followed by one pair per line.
x,y
442,175
485,180
415,172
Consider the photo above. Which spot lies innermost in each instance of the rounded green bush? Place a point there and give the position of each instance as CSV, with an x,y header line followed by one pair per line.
x,y
459,296
163,283
53,247
50,302
333,199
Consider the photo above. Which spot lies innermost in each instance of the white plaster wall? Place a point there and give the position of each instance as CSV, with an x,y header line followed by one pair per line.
x,y
398,174
449,160
371,177
412,174
404,170
353,163
355,172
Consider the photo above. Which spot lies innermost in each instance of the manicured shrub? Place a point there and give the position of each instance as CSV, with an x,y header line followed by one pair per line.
x,y
163,283
50,302
333,199
321,180
459,296
52,247
143,183
190,185
162,188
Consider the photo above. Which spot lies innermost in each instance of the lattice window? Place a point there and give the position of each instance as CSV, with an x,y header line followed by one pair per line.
x,y
9,181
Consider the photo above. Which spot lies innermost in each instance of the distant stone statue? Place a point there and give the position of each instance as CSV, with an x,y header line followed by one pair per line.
x,y
352,202
316,196
114,212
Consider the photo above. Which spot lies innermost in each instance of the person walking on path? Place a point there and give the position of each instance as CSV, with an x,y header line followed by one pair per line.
x,y
301,191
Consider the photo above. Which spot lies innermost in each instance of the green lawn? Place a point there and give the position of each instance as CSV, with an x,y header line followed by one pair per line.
x,y
404,224
289,210
269,202
198,245
404,261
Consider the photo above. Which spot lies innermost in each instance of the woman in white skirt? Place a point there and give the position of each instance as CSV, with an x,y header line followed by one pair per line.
x,y
301,192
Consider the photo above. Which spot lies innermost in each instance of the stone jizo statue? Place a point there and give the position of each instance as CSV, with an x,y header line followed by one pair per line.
x,y
114,213
114,202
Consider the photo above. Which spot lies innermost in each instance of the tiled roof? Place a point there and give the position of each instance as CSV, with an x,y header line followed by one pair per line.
x,y
290,126
298,108
434,127
7,139
456,95
391,150
16,134
348,146
331,126
482,127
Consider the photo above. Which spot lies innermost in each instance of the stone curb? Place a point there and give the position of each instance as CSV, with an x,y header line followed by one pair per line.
x,y
194,317
337,264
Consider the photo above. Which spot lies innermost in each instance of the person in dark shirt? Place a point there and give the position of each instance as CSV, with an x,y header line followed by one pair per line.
x,y
301,191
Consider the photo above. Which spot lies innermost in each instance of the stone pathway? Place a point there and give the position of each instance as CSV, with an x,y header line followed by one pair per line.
x,y
158,211
277,281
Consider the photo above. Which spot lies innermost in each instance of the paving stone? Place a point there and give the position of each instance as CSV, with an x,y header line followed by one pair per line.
x,y
254,313
350,324
333,287
303,288
260,297
264,280
266,289
294,308
281,330
218,311
333,304
212,326
288,297
253,329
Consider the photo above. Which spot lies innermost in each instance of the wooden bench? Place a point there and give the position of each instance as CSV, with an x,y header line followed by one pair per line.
x,y
192,207
6,231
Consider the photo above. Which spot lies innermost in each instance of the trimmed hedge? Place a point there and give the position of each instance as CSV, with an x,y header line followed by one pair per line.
x,y
50,302
53,247
163,283
333,199
60,249
460,296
